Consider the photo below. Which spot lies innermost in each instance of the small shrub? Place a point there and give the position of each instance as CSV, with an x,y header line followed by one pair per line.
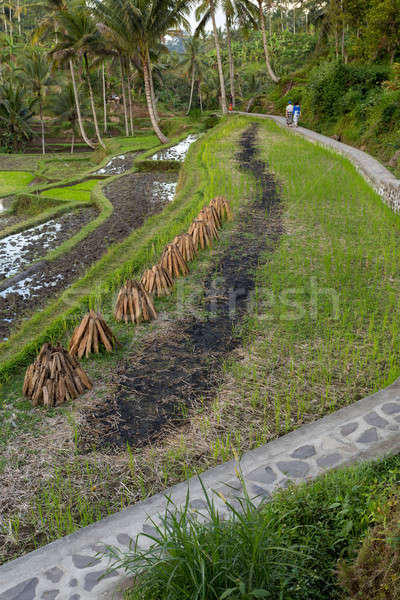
x,y
211,121
375,573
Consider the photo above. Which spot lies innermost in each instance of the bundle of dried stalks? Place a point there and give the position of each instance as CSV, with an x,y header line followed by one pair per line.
x,y
173,261
201,234
210,215
222,207
134,303
90,335
54,377
157,281
185,246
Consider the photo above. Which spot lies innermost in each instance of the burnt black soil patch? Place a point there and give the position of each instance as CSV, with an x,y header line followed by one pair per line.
x,y
176,370
134,198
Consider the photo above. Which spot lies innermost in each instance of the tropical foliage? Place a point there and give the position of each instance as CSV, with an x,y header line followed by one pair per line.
x,y
119,48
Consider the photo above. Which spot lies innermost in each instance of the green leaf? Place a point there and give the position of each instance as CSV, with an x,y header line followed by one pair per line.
x,y
260,593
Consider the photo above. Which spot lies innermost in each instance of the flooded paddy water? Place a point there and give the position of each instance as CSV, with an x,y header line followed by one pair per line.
x,y
177,152
134,197
20,249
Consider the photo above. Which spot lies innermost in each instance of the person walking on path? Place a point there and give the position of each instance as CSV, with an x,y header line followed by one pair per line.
x,y
289,113
296,114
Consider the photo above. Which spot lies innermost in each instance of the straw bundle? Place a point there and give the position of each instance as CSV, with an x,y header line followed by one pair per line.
x,y
134,303
92,333
54,377
222,207
185,246
157,281
173,261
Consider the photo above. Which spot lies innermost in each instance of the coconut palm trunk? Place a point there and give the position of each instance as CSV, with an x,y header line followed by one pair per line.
x,y
153,95
219,61
91,96
73,138
200,97
121,63
104,98
147,87
264,37
191,90
128,81
231,65
42,122
78,108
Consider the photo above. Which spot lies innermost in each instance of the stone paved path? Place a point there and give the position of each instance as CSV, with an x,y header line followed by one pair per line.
x,y
69,569
72,569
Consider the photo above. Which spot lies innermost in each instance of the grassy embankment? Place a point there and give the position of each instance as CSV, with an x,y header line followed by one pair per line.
x,y
291,548
337,236
51,323
54,507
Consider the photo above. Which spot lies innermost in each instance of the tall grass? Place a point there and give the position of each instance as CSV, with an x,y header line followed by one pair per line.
x,y
287,548
324,330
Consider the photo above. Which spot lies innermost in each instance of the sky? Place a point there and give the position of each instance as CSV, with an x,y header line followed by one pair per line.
x,y
220,20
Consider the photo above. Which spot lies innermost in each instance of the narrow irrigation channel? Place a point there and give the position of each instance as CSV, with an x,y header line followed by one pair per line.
x,y
181,367
134,197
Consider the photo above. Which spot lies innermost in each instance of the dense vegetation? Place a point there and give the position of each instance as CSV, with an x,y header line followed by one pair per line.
x,y
291,548
66,61
118,76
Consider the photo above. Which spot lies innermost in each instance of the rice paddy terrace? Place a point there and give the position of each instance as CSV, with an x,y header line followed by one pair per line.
x,y
213,295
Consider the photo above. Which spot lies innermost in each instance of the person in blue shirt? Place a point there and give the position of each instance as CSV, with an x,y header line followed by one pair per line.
x,y
296,114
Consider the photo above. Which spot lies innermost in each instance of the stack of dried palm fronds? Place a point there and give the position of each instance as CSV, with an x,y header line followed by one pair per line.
x,y
134,303
173,261
201,234
222,207
90,335
157,281
210,216
54,377
185,246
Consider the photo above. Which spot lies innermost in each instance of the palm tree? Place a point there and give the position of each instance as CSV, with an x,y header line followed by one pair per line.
x,y
79,37
191,64
204,12
54,8
136,27
241,10
265,43
37,70
64,107
15,116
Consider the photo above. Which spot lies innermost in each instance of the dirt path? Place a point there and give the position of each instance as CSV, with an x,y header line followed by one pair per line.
x,y
134,198
183,365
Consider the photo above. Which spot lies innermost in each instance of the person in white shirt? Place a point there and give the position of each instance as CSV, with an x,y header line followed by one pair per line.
x,y
289,113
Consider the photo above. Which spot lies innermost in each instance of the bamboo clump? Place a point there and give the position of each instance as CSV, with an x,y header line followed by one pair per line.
x,y
185,246
54,378
157,281
134,303
210,215
173,261
201,234
222,207
92,333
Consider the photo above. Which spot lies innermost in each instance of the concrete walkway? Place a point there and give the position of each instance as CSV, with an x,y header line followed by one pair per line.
x,y
71,569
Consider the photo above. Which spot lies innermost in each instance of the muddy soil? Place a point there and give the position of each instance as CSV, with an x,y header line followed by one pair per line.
x,y
134,197
152,390
21,249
